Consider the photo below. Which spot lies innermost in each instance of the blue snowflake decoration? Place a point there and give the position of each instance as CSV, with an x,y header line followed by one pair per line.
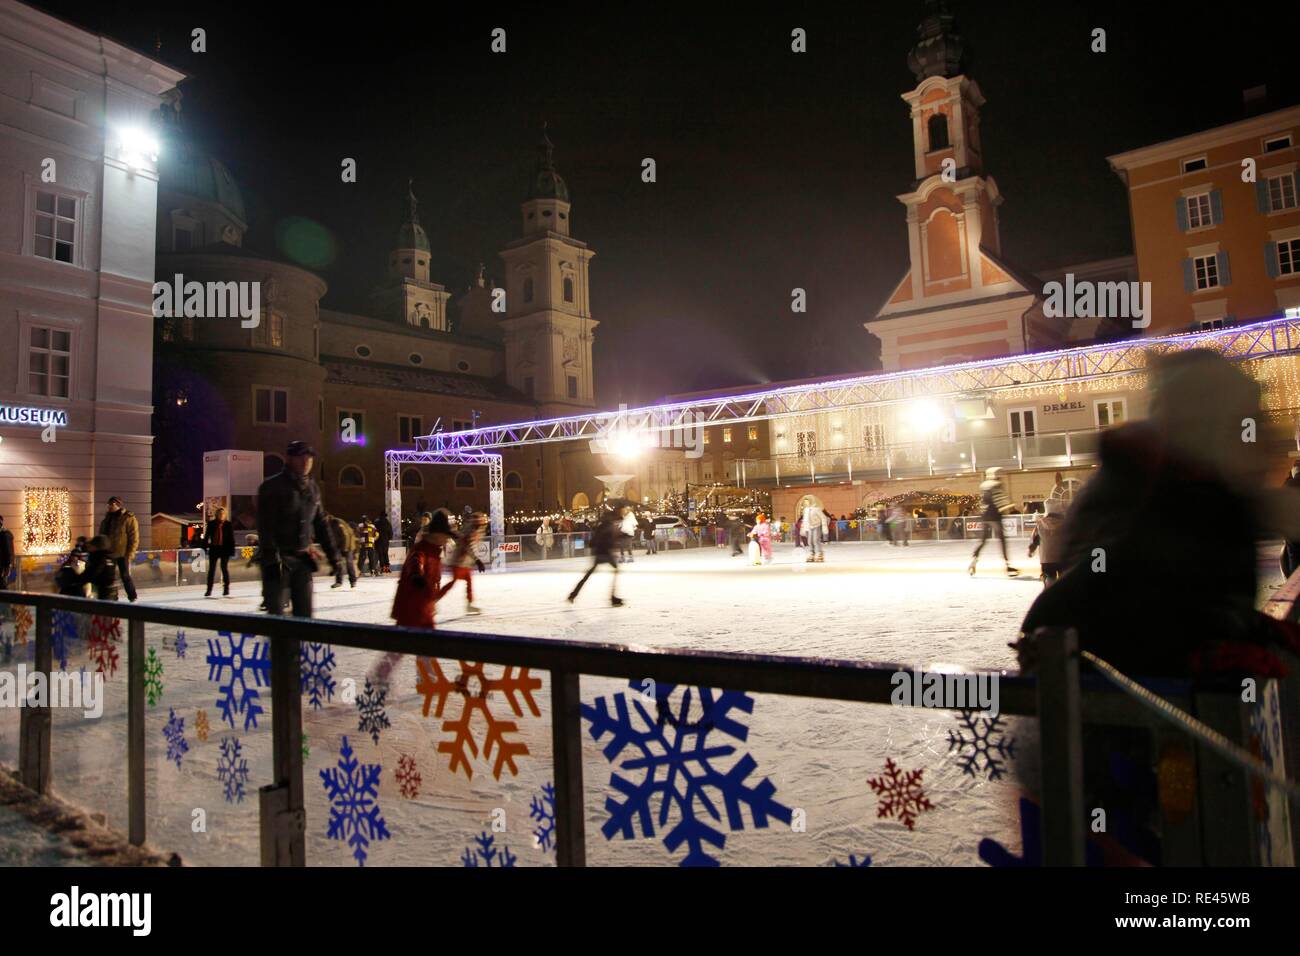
x,y
243,662
1031,842
353,790
232,770
181,644
174,731
855,862
673,770
987,749
317,662
485,854
63,631
373,717
543,811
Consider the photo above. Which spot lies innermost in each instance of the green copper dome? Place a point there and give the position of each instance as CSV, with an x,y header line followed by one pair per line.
x,y
412,235
185,169
546,182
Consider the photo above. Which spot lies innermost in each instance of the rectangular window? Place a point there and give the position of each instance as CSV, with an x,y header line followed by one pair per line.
x,y
409,427
1273,144
270,406
1206,272
1198,211
1288,257
1111,411
806,444
1022,422
1210,325
49,362
1192,165
707,437
753,433
55,226
573,386
352,426
726,436
873,437
459,425
1281,192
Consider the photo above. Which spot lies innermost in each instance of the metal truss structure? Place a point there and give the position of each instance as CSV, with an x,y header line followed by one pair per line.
x,y
395,458
1273,337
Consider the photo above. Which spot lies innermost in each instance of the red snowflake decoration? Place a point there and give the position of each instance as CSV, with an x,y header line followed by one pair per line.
x,y
901,794
105,634
475,690
408,778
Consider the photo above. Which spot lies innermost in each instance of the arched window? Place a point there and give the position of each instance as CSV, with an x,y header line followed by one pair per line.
x,y
464,479
568,289
938,132
411,479
272,465
528,289
513,481
352,477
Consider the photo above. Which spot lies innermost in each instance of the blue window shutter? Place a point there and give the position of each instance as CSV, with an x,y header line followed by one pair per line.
x,y
1261,194
1216,206
1180,209
1270,259
1225,276
1189,280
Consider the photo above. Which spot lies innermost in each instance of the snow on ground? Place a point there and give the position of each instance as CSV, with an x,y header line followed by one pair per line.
x,y
914,606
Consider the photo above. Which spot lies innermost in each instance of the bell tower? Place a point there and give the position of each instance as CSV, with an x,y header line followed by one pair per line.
x,y
408,294
548,328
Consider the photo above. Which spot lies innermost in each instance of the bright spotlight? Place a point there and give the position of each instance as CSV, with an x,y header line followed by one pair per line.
x,y
138,147
926,417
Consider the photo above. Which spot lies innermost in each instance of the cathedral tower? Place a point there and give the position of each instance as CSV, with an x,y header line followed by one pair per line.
x,y
408,295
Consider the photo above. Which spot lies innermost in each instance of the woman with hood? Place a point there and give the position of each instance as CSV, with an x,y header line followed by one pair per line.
x,y
419,587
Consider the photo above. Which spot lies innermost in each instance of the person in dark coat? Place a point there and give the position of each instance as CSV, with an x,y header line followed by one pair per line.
x,y
6,554
385,529
100,571
604,542
289,514
219,543
1291,553
122,530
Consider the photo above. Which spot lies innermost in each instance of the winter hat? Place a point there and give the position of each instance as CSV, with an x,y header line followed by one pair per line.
x,y
438,523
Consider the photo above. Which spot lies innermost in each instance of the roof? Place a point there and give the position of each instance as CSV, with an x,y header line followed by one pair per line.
x,y
401,328
344,371
1227,133
187,169
187,518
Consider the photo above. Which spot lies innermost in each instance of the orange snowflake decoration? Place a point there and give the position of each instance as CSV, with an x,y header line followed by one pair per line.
x,y
201,724
475,690
22,622
105,634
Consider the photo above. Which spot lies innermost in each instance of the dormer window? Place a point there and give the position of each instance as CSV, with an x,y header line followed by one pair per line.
x,y
1192,165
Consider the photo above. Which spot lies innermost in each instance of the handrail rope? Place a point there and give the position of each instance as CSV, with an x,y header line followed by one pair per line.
x,y
1211,737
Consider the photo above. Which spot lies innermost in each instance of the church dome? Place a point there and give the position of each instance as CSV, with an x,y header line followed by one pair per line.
x,y
185,169
411,235
938,50
546,182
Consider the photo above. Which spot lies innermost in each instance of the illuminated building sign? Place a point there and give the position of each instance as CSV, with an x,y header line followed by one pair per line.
x,y
24,415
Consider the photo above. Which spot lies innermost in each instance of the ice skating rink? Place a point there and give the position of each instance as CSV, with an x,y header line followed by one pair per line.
x,y
914,606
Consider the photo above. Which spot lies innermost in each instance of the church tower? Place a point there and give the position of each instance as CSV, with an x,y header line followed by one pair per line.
x,y
959,300
407,295
548,329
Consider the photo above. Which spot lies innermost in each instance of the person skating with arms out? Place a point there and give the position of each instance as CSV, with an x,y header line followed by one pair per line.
x,y
993,494
466,558
604,541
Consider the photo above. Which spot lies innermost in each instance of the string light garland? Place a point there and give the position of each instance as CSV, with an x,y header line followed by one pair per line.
x,y
47,528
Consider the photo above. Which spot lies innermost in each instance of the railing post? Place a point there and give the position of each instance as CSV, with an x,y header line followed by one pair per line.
x,y
974,465
34,722
282,817
135,732
566,746
1060,733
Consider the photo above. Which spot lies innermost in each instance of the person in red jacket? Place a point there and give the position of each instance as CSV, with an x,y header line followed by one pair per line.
x,y
418,588
466,558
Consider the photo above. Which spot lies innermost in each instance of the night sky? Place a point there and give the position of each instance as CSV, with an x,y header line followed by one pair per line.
x,y
775,169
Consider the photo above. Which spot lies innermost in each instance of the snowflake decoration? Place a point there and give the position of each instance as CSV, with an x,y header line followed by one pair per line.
x,y
678,770
232,770
855,862
373,717
181,644
485,854
987,742
201,725
63,631
242,663
317,662
474,688
306,751
408,777
105,635
22,622
543,811
353,791
901,794
153,672
174,731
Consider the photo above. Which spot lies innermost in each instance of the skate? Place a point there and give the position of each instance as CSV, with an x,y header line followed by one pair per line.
x,y
1012,572
571,598
616,601
207,594
337,584
471,609
971,569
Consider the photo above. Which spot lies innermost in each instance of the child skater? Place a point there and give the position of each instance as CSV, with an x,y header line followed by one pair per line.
x,y
419,587
762,534
466,558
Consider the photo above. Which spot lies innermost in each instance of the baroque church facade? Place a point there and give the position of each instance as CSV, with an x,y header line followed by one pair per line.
x,y
355,384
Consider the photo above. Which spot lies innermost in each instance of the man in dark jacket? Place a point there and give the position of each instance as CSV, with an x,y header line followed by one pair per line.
x,y
100,571
122,530
385,529
6,554
219,542
606,538
289,513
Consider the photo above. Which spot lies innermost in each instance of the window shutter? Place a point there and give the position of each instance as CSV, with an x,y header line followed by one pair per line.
x,y
1270,259
1180,209
1261,194
1216,206
1189,281
1225,276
